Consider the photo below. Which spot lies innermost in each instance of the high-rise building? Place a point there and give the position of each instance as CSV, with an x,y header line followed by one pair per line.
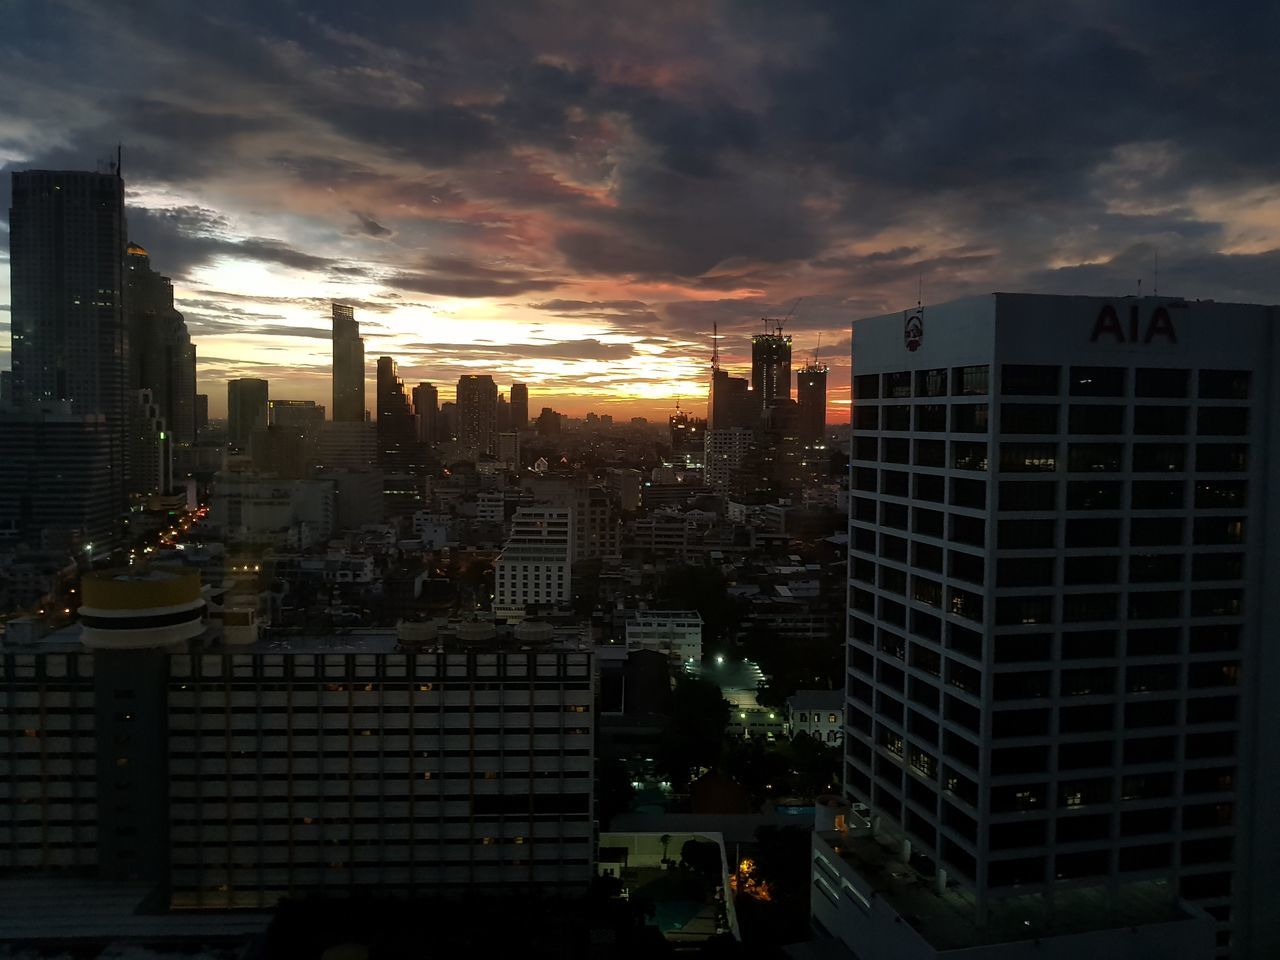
x,y
109,733
448,423
519,406
67,272
150,448
729,402
502,418
534,567
426,407
726,450
348,366
202,411
55,478
687,433
397,428
477,412
1062,675
770,368
549,422
248,409
162,358
811,402
304,416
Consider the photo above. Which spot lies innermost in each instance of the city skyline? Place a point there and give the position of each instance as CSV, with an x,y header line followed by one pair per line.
x,y
571,202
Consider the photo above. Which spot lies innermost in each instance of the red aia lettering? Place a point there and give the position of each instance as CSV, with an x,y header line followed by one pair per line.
x,y
1108,324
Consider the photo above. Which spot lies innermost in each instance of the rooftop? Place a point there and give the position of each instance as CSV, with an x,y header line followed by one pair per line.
x,y
949,921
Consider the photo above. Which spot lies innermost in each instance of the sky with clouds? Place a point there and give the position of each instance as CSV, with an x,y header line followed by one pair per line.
x,y
569,194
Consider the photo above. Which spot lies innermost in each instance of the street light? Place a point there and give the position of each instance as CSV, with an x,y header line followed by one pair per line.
x,y
719,659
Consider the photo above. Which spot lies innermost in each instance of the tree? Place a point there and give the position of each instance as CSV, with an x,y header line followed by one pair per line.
x,y
703,858
699,715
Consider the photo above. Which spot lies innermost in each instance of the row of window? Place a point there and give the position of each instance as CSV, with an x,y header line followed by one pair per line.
x,y
1046,418
1047,457
1036,380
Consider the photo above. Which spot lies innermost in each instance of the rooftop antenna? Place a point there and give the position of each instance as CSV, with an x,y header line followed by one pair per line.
x,y
1155,280
715,346
817,349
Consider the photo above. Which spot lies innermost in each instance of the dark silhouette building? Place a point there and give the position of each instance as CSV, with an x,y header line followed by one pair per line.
x,y
202,411
729,403
519,406
811,398
426,406
770,368
477,412
162,358
67,270
397,428
247,410
348,366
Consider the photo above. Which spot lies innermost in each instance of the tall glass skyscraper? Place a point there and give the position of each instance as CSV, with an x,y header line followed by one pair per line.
x,y
162,358
348,366
67,271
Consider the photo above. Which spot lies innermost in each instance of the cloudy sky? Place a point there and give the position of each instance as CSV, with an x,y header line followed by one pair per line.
x,y
571,193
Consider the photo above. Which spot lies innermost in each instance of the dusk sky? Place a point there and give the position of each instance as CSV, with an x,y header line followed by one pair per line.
x,y
569,194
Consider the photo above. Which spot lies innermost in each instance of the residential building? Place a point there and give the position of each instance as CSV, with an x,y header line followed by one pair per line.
x,y
727,449
248,409
811,402
534,568
1061,674
67,282
305,417
242,772
477,406
818,713
519,406
348,366
676,633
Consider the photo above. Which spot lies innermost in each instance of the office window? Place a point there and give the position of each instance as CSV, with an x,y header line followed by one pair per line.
x,y
1097,382
1156,382
931,453
968,456
1095,419
1217,566
1155,531
1157,495
1084,607
897,450
1028,494
969,418
1166,420
1094,457
931,383
1023,572
968,493
970,381
894,482
1081,532
1028,457
1028,418
1222,457
1155,568
966,566
1159,457
1222,421
897,385
1077,571
1027,380
1224,384
1094,494
896,418
1221,493
1026,534
931,418
866,386
1215,530
866,418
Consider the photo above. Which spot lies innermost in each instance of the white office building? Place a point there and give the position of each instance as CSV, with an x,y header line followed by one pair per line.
x,y
1061,667
676,633
534,568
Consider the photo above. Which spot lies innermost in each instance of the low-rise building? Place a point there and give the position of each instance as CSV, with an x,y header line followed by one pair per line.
x,y
676,633
818,713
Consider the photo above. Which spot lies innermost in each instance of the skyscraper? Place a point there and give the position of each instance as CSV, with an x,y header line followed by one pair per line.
x,y
66,262
1062,681
248,410
519,406
162,358
729,403
477,412
397,430
348,366
202,411
811,399
770,368
426,406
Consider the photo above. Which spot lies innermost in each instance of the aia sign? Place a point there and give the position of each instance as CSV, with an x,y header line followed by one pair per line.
x,y
913,331
1108,326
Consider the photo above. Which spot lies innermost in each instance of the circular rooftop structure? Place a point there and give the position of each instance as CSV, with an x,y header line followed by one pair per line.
x,y
137,609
